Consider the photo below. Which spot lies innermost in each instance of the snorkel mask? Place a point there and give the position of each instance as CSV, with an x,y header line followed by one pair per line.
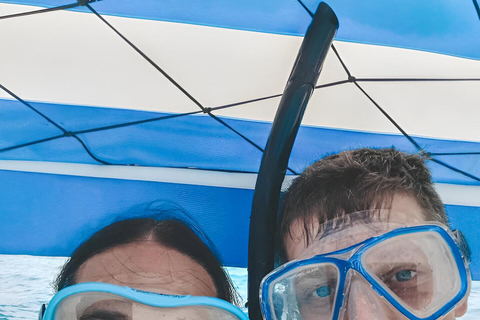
x,y
102,301
415,272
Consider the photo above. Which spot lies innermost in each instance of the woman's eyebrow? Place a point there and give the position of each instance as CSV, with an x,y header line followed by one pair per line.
x,y
104,315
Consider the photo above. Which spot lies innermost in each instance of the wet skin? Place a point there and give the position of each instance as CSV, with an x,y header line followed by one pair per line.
x,y
362,302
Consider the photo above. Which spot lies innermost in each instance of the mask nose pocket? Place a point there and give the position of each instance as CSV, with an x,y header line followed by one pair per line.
x,y
362,302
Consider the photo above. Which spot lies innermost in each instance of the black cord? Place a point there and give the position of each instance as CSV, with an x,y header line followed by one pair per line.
x,y
33,109
332,84
310,13
477,7
205,110
341,61
454,153
245,102
416,79
127,124
235,131
16,15
355,81
157,67
389,118
455,169
405,134
65,132
31,143
89,152
244,137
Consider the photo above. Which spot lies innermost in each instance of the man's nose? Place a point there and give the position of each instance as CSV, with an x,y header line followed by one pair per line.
x,y
362,302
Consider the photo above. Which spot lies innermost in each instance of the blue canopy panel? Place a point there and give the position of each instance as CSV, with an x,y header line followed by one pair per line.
x,y
192,141
450,27
34,221
466,219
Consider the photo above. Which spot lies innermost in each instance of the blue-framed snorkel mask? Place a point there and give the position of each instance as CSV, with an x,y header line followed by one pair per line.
x,y
415,272
103,301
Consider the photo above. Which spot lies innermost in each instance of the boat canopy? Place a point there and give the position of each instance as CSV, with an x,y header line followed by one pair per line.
x,y
106,105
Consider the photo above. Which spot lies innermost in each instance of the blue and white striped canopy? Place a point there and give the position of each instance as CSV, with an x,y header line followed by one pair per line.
x,y
89,127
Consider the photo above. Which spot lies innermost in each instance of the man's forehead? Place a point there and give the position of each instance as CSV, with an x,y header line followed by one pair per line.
x,y
403,209
344,231
347,236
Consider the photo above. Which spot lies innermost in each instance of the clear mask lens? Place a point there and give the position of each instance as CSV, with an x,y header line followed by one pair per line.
x,y
418,270
107,306
307,293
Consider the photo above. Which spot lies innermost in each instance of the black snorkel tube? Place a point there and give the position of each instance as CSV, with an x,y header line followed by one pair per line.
x,y
299,88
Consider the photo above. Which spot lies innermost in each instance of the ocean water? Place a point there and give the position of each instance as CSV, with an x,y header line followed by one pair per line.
x,y
26,283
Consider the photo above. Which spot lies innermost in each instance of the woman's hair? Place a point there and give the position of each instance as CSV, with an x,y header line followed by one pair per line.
x,y
170,228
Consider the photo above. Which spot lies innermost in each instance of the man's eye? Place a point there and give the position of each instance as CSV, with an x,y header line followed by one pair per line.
x,y
404,275
323,291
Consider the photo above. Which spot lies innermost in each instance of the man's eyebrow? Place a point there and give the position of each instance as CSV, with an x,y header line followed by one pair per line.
x,y
332,226
364,217
103,315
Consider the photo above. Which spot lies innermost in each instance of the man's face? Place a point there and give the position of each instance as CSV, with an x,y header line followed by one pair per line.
x,y
404,210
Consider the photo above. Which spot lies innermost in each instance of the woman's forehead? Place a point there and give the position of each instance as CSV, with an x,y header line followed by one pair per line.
x,y
148,266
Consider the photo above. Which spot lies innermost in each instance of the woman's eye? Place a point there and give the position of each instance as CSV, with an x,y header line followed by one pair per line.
x,y
323,291
404,275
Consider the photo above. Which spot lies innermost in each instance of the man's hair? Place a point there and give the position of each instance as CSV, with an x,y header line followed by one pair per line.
x,y
356,180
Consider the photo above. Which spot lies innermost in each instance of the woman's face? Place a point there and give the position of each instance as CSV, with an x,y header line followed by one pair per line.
x,y
148,266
